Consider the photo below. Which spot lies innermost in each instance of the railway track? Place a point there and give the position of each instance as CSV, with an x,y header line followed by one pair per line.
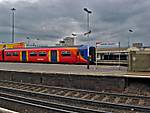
x,y
50,106
83,99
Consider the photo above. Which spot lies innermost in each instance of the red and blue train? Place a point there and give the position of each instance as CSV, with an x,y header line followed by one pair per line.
x,y
73,55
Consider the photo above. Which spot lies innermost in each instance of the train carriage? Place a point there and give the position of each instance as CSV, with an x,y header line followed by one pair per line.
x,y
1,55
72,55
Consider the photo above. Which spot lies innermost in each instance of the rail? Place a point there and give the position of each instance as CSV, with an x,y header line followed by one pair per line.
x,y
92,99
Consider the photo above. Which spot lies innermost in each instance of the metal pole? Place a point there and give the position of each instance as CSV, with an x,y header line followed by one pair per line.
x,y
128,42
13,24
130,30
88,62
88,24
119,54
88,29
75,38
96,57
74,42
28,41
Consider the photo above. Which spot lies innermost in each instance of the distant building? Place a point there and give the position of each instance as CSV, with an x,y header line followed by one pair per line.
x,y
61,43
67,41
138,45
38,43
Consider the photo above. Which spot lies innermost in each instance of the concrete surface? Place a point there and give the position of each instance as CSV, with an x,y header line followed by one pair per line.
x,y
73,69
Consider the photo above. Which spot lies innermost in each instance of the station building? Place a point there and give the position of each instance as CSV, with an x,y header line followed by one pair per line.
x,y
139,59
118,55
112,55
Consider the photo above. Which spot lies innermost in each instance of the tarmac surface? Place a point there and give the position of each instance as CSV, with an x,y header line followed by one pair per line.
x,y
100,70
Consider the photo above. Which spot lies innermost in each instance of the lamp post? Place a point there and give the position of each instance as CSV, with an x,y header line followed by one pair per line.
x,y
37,44
119,53
80,34
88,29
75,37
130,30
28,41
13,24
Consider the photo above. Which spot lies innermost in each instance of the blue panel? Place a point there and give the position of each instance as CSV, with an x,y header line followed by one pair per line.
x,y
24,59
84,51
53,56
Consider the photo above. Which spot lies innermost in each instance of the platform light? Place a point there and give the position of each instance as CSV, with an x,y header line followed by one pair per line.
x,y
88,30
13,24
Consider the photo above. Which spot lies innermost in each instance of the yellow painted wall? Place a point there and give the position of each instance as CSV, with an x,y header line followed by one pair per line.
x,y
12,45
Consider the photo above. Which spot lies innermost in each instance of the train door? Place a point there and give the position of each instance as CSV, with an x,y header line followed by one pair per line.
x,y
24,56
92,54
3,55
77,57
53,56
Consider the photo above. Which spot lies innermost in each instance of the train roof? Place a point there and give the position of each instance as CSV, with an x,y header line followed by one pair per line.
x,y
42,47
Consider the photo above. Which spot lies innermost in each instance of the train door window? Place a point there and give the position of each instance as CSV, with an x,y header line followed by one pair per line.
x,y
66,53
15,54
92,53
33,54
42,53
53,56
8,54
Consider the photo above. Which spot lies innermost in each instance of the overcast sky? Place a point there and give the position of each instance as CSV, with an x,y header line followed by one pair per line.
x,y
54,19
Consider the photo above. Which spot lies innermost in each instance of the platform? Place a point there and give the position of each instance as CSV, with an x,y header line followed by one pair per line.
x,y
100,70
104,78
3,110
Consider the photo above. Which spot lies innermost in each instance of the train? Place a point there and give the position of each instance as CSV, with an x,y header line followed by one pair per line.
x,y
72,55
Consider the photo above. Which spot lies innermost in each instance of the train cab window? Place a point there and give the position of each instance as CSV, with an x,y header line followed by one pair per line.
x,y
33,54
66,53
15,54
82,53
8,54
42,53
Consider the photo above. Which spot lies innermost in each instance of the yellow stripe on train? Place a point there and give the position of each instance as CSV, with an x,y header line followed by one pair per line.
x,y
27,58
21,56
58,56
49,56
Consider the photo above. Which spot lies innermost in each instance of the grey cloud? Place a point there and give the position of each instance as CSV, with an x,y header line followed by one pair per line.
x,y
53,19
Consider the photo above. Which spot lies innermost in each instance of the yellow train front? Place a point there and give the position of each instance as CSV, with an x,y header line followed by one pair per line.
x,y
71,55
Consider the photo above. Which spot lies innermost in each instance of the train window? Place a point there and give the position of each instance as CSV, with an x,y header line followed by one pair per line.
x,y
15,54
42,53
65,53
8,54
33,54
